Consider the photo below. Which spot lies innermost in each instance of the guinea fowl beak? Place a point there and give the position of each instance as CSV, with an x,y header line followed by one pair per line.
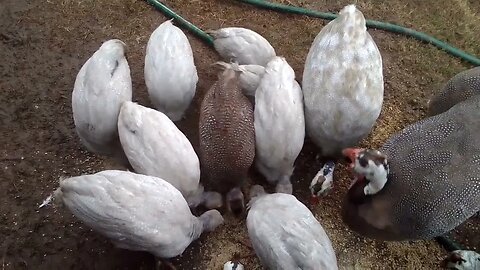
x,y
352,154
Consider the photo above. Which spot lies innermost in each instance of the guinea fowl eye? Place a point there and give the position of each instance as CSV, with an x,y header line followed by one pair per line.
x,y
363,162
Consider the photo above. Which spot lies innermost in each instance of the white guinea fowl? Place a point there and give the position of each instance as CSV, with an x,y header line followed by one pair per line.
x,y
241,45
101,86
286,235
155,146
250,76
279,123
342,83
136,212
170,72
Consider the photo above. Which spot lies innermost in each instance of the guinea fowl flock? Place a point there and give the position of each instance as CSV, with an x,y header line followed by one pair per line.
x,y
422,183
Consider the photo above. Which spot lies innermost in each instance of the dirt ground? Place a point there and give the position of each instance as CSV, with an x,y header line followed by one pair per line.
x,y
43,44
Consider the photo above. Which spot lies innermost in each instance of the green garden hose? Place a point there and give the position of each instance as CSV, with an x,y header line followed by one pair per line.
x,y
370,23
445,242
328,16
188,25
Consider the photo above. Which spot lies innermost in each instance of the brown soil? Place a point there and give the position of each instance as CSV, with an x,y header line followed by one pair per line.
x,y
43,45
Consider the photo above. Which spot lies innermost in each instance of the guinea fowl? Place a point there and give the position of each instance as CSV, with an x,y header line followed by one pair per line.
x,y
424,181
279,124
101,86
241,45
136,212
250,77
155,146
170,72
285,234
342,84
459,88
227,138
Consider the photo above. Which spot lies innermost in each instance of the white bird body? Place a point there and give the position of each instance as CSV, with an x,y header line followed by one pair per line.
x,y
136,212
342,83
101,86
250,76
170,72
286,235
155,146
279,123
241,45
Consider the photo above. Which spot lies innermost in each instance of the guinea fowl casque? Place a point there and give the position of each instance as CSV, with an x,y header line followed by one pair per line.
x,y
279,124
170,72
428,177
101,86
136,212
342,84
459,88
286,235
155,146
227,138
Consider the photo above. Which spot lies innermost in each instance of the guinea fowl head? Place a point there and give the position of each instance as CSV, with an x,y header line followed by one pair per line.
x,y
322,183
369,166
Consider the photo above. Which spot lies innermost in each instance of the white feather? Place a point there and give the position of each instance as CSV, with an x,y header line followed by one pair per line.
x,y
342,83
136,212
279,121
286,235
170,72
241,45
101,86
155,146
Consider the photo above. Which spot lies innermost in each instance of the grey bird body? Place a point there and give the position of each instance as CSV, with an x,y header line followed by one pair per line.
x,y
459,88
227,136
434,179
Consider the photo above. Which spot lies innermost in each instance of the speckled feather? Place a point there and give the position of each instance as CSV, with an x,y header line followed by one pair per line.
x,y
459,88
342,83
286,235
434,180
227,136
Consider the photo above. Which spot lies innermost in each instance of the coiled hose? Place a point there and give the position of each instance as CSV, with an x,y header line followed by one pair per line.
x,y
448,244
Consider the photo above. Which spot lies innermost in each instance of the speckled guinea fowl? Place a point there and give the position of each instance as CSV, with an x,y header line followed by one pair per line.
x,y
227,138
286,235
433,181
459,88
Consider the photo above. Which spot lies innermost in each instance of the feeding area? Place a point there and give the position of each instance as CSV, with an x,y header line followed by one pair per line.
x,y
70,198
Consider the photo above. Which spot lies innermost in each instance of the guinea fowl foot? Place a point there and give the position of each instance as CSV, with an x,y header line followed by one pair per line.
x,y
248,244
164,265
236,202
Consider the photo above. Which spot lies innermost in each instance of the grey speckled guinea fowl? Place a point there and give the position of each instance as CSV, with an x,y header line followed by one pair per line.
x,y
459,88
227,138
433,185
